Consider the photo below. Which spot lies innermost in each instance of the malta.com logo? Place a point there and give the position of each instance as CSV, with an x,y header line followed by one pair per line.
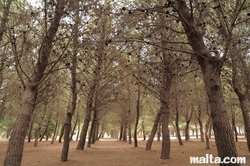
x,y
209,159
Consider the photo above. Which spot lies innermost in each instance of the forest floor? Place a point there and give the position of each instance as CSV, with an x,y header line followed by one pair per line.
x,y
112,152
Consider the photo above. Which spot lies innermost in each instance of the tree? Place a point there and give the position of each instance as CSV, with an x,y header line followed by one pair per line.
x,y
211,68
16,142
73,67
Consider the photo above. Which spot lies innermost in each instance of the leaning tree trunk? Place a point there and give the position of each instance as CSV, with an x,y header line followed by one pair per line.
x,y
153,130
211,68
92,89
71,110
137,113
188,119
206,133
200,123
242,94
121,132
178,134
92,127
15,148
61,134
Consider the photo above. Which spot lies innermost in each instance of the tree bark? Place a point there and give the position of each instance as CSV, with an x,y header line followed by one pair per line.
x,y
200,123
73,129
93,84
15,148
178,133
71,111
31,128
121,132
92,127
143,130
159,132
211,69
137,113
241,93
55,131
153,130
188,119
206,133
46,127
61,133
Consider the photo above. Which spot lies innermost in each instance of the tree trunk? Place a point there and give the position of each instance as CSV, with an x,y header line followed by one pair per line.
x,y
91,132
188,119
211,69
143,130
178,133
129,134
121,132
46,127
78,130
242,94
31,128
71,110
196,130
93,84
159,132
73,129
153,130
15,148
137,112
165,97
206,133
125,132
234,127
55,131
61,133
200,124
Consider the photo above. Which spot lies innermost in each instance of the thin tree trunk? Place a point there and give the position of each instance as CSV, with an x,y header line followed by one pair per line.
x,y
188,119
46,127
55,131
143,130
92,128
31,128
159,131
61,133
121,132
92,89
137,112
153,130
206,133
125,132
78,130
129,134
72,108
74,128
199,112
242,95
200,124
178,134
37,135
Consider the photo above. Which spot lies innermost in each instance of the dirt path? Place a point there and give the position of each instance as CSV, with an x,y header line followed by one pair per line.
x,y
111,152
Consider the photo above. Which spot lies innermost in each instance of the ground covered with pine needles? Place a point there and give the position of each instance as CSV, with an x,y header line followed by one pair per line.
x,y
112,152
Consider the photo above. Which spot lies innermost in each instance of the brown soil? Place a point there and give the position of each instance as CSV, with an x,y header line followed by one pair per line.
x,y
111,152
